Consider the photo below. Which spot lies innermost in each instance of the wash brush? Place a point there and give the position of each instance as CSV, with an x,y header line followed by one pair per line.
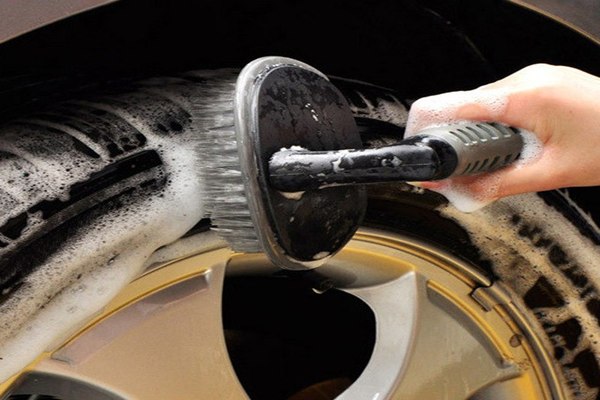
x,y
288,170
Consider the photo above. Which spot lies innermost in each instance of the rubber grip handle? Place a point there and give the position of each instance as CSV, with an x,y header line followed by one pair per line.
x,y
479,146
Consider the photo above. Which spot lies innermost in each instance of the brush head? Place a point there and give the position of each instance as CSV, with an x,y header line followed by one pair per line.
x,y
223,192
280,103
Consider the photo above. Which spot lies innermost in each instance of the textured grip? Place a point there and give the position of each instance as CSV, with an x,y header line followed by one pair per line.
x,y
480,147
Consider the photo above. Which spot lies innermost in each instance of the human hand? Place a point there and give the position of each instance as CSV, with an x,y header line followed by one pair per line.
x,y
561,105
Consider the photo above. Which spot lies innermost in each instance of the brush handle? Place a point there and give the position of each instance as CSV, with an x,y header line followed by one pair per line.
x,y
433,154
479,147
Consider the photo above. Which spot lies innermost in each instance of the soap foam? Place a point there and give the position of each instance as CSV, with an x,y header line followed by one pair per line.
x,y
92,266
463,199
439,110
532,149
436,111
388,109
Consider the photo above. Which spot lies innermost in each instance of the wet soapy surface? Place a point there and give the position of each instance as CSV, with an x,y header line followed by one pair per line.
x,y
94,263
441,110
389,109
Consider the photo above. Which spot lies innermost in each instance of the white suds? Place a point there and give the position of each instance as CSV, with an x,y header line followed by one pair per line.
x,y
292,195
532,148
293,148
441,109
464,200
91,267
389,109
394,162
336,165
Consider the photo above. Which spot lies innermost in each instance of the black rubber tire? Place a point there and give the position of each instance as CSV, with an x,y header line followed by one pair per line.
x,y
77,161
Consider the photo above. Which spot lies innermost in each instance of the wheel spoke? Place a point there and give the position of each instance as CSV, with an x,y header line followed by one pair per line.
x,y
422,339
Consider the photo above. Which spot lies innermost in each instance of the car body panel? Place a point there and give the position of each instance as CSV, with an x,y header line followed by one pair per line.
x,y
21,16
581,15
